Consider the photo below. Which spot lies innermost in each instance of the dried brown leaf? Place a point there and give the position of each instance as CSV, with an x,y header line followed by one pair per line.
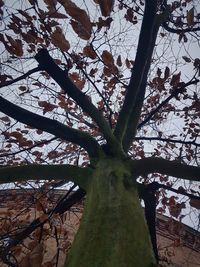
x,y
89,52
119,61
190,17
80,20
107,58
195,203
59,40
106,6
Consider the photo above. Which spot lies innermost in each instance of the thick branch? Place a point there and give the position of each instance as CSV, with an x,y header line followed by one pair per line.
x,y
154,186
173,94
163,166
47,63
20,77
78,175
139,69
136,111
179,31
168,140
147,193
51,126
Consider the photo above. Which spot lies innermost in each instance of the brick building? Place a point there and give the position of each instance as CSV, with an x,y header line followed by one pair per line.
x,y
178,244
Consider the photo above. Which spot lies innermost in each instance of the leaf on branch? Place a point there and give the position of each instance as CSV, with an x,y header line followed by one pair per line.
x,y
51,4
107,71
195,203
159,72
129,16
196,65
77,80
104,23
128,65
4,77
106,6
119,61
47,107
182,36
80,30
190,17
176,208
5,119
167,73
32,2
89,52
22,88
175,79
17,135
58,39
80,20
29,37
107,58
14,47
57,15
187,59
25,14
93,72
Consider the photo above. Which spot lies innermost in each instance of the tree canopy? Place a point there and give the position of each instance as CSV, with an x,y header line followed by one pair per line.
x,y
103,94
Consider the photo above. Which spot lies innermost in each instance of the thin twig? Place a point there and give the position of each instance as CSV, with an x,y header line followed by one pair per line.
x,y
20,77
167,140
174,94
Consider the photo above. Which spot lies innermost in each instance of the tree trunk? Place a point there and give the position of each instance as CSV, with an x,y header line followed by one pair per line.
x,y
113,231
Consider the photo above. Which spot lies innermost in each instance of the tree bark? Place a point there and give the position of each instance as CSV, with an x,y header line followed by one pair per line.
x,y
113,231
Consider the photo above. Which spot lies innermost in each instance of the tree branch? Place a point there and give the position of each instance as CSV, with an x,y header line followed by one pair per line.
x,y
28,148
163,166
147,193
173,94
51,126
20,77
167,140
139,69
47,63
154,186
136,110
78,175
179,31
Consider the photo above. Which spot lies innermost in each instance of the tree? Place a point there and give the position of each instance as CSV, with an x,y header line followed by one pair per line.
x,y
109,109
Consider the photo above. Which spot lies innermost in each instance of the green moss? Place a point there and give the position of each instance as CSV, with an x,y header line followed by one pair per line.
x,y
113,232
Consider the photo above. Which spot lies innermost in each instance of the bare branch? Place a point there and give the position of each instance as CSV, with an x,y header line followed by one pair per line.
x,y
28,148
163,166
179,31
173,94
167,140
20,77
139,69
78,175
137,107
47,63
51,126
154,186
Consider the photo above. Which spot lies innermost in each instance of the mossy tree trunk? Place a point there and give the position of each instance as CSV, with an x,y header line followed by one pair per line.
x,y
113,231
